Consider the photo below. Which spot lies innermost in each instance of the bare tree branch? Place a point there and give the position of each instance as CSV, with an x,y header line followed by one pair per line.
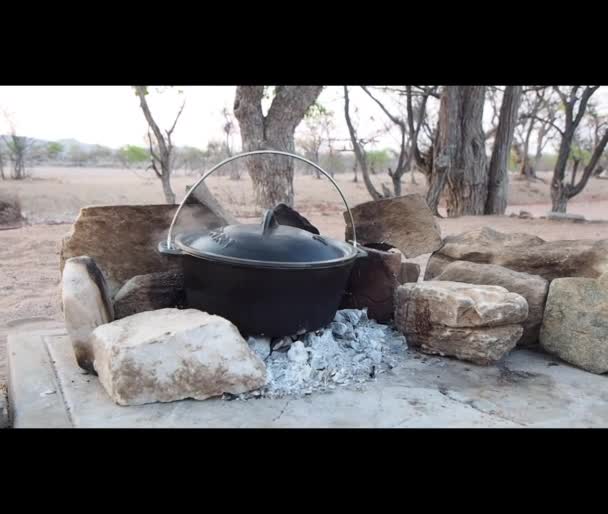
x,y
588,171
543,120
179,113
359,153
392,117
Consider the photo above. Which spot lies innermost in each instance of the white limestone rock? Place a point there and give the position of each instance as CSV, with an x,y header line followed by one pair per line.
x,y
171,354
460,305
86,305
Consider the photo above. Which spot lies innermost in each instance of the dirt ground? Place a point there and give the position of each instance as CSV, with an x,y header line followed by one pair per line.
x,y
52,197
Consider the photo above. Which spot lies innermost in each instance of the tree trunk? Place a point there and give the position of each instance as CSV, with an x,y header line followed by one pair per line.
x,y
18,169
527,170
396,184
368,182
559,199
560,191
169,194
413,174
272,175
443,148
162,157
467,173
575,164
498,176
355,166
559,196
436,185
542,132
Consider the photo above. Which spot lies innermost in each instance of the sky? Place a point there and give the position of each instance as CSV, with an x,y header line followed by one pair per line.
x,y
110,115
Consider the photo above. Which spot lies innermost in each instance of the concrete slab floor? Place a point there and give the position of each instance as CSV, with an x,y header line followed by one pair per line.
x,y
27,324
528,389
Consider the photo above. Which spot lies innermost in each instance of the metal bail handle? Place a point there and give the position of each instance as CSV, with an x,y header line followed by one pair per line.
x,y
259,152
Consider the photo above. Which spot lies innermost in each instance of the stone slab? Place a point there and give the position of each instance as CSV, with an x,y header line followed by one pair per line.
x,y
529,389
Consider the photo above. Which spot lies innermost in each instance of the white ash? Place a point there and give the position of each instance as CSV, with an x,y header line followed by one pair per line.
x,y
351,350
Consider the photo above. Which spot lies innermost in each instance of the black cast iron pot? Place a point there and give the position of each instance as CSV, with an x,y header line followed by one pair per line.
x,y
268,279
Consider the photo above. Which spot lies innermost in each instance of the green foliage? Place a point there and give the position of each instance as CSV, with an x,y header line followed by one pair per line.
x,y
53,150
378,159
145,89
580,154
317,111
132,154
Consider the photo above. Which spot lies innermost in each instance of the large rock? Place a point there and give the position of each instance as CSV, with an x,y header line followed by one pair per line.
x,y
86,305
173,354
454,304
523,252
532,287
410,272
203,195
123,239
405,222
575,325
483,346
372,284
150,292
477,323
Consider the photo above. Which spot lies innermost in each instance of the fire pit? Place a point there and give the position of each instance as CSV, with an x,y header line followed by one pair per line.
x,y
268,279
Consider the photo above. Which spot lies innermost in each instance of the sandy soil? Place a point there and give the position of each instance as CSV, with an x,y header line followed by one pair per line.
x,y
29,256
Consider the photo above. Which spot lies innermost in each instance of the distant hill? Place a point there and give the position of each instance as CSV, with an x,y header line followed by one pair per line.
x,y
83,147
66,143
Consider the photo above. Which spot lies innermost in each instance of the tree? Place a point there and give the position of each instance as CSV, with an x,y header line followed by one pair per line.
x,y
193,158
77,155
460,160
596,124
131,155
272,175
493,99
53,150
403,156
317,123
409,127
18,148
358,144
574,101
229,128
318,127
443,149
538,113
498,176
100,154
161,146
334,160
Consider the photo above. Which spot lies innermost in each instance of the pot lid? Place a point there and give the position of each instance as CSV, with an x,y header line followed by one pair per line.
x,y
266,244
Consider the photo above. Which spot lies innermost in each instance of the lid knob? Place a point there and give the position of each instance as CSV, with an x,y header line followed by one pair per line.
x,y
269,222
